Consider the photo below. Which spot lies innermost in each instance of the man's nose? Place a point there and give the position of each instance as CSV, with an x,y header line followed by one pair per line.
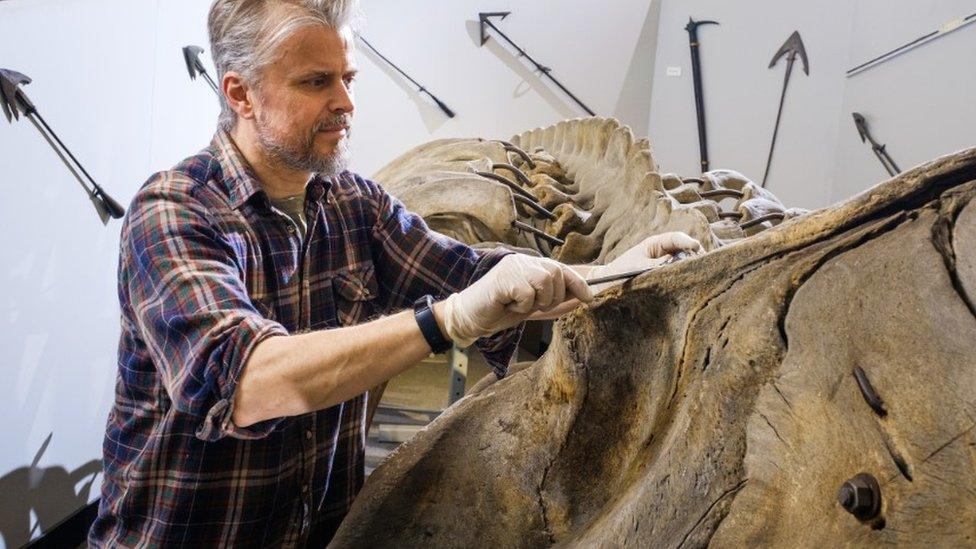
x,y
342,100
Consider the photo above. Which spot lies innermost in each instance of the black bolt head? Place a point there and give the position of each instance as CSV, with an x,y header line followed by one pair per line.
x,y
846,496
861,497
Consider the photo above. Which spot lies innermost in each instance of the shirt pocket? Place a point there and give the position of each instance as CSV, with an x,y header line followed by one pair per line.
x,y
356,293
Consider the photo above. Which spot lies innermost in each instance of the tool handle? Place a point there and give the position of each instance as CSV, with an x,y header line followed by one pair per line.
x,y
699,106
447,110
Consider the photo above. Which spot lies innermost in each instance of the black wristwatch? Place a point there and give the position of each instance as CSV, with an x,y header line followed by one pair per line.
x,y
423,311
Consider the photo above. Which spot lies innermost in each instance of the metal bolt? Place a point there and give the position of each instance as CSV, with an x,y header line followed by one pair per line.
x,y
861,497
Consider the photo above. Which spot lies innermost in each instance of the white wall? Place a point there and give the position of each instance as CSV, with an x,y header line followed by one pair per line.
x,y
922,104
494,94
59,316
742,93
109,76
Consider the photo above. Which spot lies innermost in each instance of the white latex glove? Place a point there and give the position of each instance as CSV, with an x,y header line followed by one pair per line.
x,y
515,288
651,252
666,244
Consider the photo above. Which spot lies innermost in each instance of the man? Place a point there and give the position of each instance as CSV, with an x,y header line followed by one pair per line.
x,y
253,279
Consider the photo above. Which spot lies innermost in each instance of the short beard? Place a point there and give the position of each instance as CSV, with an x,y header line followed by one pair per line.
x,y
302,156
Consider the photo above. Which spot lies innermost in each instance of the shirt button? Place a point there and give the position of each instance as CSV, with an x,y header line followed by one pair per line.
x,y
308,435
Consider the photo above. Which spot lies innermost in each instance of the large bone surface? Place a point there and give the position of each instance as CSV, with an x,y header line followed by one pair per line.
x,y
594,165
724,400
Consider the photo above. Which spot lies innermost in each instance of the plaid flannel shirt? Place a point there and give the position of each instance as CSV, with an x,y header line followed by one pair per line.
x,y
208,269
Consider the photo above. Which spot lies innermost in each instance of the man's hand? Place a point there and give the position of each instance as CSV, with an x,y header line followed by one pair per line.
x,y
654,250
655,247
514,289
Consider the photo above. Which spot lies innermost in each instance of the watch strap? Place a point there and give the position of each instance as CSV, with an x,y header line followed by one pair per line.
x,y
423,312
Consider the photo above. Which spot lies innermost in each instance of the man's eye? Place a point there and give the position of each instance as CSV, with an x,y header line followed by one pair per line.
x,y
317,82
349,80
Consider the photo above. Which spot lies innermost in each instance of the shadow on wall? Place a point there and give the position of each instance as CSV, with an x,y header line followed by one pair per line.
x,y
431,115
531,80
47,493
634,102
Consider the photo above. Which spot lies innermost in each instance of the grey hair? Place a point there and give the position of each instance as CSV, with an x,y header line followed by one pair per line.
x,y
245,34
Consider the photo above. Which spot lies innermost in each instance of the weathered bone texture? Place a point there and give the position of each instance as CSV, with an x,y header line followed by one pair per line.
x,y
713,401
600,184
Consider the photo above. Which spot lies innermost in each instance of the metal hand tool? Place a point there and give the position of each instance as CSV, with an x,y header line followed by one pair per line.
x,y
634,274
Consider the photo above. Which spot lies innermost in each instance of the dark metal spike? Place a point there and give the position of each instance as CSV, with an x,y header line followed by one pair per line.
x,y
862,126
420,88
486,23
868,392
722,193
519,174
556,241
12,98
775,216
525,156
15,102
535,206
191,54
693,25
793,46
483,19
112,206
511,184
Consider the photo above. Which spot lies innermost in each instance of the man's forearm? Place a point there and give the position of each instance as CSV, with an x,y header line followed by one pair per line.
x,y
293,375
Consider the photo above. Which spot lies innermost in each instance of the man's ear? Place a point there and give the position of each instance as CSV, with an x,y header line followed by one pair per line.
x,y
238,95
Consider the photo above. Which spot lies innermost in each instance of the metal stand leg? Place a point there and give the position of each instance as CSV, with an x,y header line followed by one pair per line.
x,y
459,374
458,361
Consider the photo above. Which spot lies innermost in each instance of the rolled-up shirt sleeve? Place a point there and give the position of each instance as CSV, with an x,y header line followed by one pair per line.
x,y
191,308
414,260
